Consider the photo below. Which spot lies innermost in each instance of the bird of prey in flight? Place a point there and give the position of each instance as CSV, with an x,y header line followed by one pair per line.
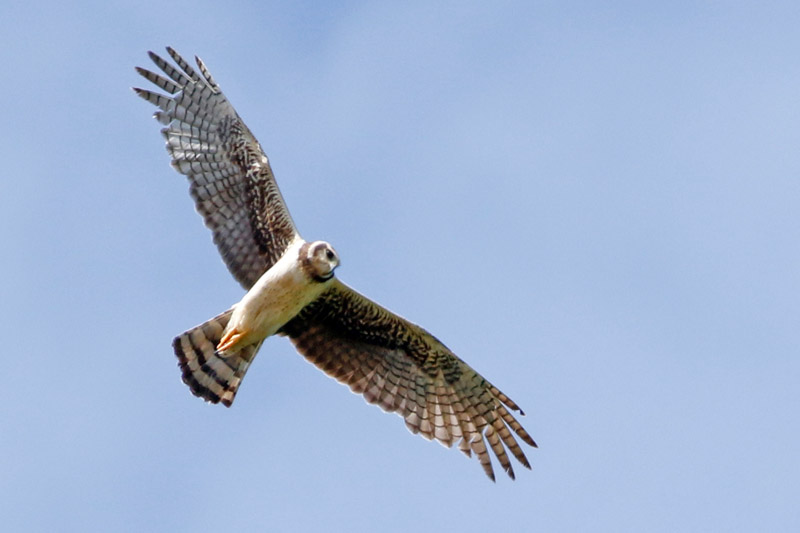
x,y
292,290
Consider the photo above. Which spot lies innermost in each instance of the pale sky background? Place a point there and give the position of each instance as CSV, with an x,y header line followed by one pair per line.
x,y
596,206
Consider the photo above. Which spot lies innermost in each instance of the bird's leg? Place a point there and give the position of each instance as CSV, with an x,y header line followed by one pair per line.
x,y
230,339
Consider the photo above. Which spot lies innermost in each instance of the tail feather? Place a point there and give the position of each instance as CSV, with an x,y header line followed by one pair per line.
x,y
209,375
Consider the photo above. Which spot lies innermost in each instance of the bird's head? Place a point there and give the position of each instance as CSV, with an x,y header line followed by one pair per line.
x,y
320,260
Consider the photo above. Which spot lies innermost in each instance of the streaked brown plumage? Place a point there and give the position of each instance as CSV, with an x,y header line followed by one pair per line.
x,y
390,361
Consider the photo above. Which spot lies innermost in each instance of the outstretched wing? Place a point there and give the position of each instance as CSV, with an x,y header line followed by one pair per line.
x,y
404,369
230,178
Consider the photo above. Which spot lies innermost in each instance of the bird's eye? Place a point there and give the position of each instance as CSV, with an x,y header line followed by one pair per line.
x,y
329,254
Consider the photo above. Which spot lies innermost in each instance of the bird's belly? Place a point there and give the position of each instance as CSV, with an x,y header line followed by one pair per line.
x,y
276,298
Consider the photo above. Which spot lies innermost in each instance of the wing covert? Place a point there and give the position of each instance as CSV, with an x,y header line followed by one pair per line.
x,y
404,369
230,178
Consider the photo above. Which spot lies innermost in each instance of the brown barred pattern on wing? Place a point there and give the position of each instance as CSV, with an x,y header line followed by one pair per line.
x,y
230,177
404,369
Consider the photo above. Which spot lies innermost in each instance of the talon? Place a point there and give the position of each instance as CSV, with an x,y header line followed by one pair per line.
x,y
229,340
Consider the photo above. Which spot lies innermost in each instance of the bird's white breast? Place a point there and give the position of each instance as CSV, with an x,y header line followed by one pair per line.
x,y
279,294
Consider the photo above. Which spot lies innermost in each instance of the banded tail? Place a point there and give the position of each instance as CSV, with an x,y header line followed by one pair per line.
x,y
210,376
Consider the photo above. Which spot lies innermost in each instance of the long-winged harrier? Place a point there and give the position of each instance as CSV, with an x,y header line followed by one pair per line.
x,y
292,290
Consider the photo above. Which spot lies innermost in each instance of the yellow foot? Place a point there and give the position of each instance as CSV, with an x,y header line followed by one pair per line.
x,y
230,339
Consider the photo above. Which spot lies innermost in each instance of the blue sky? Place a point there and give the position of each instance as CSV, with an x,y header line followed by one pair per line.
x,y
596,206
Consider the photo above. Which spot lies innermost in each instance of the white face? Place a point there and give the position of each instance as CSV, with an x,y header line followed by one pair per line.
x,y
323,259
